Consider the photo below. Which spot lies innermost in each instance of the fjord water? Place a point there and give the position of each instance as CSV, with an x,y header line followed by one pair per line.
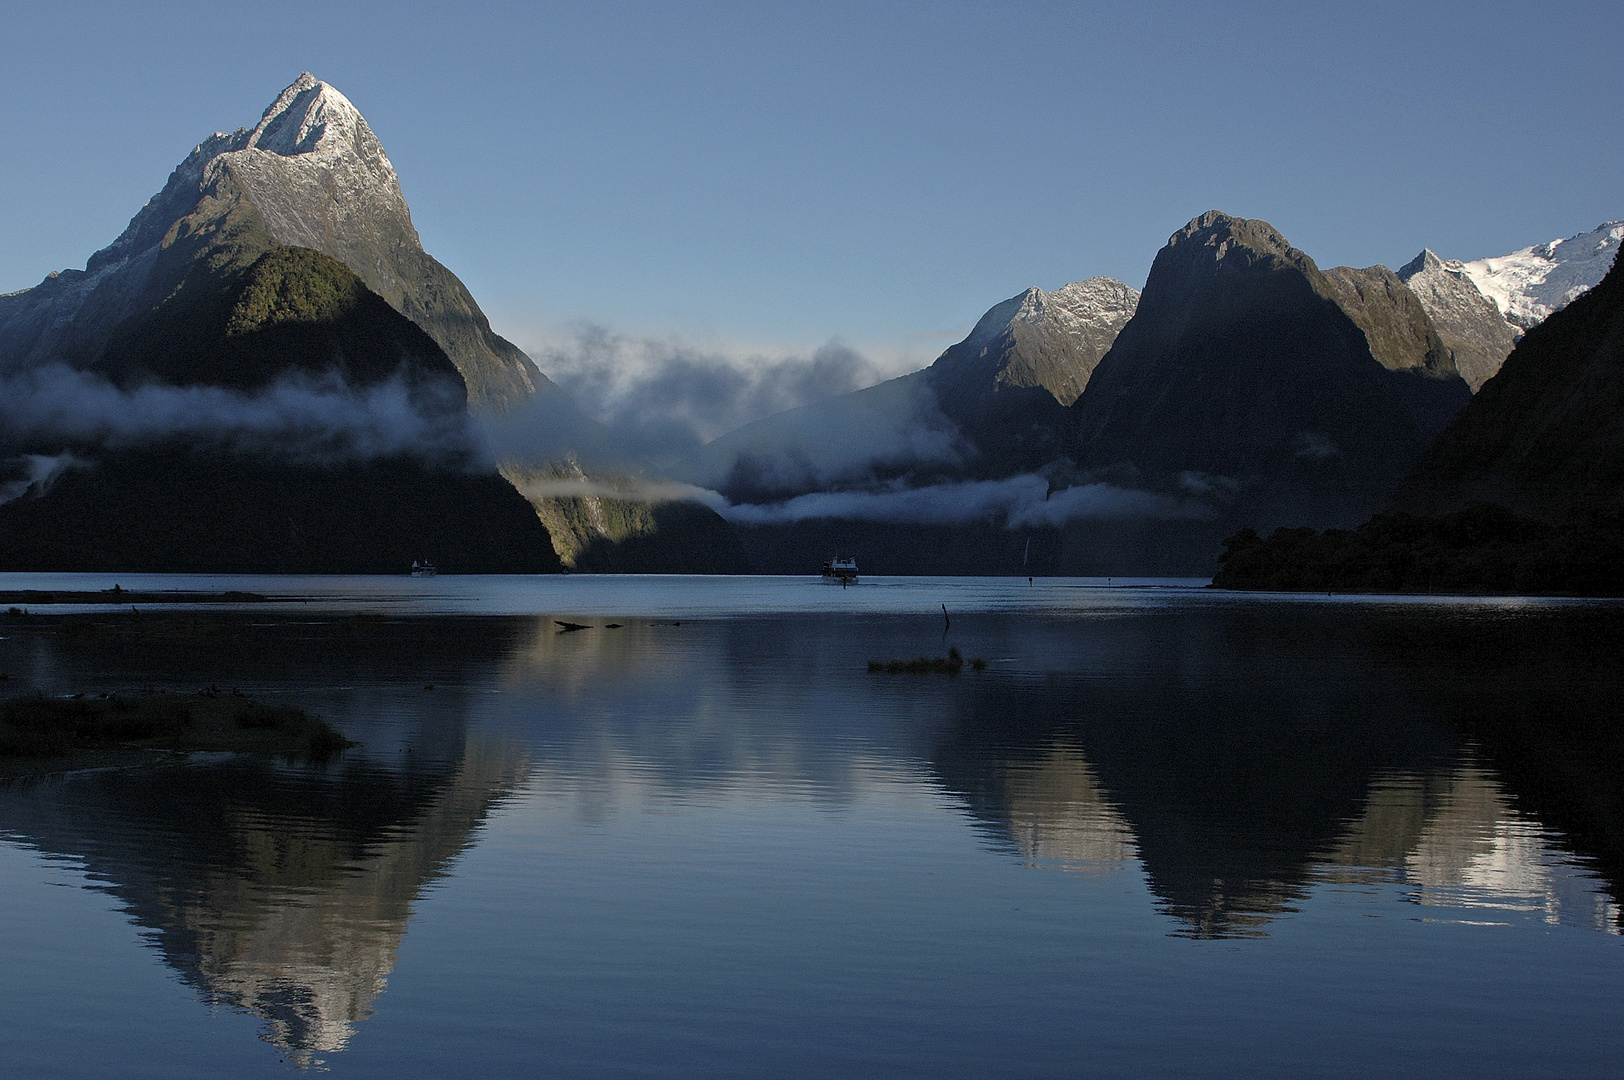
x,y
1165,832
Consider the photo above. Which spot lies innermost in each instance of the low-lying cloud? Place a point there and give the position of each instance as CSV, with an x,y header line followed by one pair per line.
x,y
668,397
852,441
1018,502
299,419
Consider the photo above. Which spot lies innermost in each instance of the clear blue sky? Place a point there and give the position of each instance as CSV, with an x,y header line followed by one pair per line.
x,y
876,173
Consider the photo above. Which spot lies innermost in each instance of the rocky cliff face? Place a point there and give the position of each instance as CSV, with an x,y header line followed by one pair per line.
x,y
1545,436
1468,322
1246,369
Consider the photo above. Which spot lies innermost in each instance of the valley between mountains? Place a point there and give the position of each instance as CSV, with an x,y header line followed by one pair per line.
x,y
265,372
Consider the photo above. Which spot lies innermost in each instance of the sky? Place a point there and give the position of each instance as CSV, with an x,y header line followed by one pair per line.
x,y
772,180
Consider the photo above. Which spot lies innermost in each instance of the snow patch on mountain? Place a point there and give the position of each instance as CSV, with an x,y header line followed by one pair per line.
x,y
1532,282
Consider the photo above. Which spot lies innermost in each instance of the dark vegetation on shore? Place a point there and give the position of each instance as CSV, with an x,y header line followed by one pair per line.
x,y
1480,549
39,729
951,664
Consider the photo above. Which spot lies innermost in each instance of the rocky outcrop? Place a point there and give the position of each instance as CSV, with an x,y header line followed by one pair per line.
x,y
1397,329
1468,322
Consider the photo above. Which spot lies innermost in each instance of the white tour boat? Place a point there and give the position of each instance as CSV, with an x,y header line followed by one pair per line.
x,y
838,571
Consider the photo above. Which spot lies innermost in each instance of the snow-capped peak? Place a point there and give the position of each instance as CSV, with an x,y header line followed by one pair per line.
x,y
1532,282
1095,303
310,162
298,121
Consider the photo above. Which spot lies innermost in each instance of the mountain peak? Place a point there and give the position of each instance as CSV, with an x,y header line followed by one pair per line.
x,y
1218,238
1427,260
309,174
1467,321
303,116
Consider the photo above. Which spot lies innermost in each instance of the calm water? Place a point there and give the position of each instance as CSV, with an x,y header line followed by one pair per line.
x,y
1166,832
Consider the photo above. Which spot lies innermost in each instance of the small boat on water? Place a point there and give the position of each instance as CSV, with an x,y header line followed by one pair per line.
x,y
423,568
838,571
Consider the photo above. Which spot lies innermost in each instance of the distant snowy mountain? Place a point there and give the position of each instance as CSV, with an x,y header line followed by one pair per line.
x,y
1532,282
1482,307
1051,340
1467,321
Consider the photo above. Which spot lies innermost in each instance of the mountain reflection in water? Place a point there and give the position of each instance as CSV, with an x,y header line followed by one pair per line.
x,y
282,892
279,889
1240,760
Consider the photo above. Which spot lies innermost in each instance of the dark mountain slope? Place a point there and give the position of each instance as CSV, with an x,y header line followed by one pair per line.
x,y
174,509
334,489
1247,369
1545,436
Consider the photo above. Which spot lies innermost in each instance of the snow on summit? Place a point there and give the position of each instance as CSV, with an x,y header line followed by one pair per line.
x,y
297,121
1532,282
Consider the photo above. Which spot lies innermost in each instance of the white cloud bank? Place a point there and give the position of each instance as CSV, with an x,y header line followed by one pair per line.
x,y
1016,502
298,418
